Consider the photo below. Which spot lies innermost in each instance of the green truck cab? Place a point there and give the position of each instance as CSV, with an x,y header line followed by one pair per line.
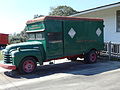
x,y
55,37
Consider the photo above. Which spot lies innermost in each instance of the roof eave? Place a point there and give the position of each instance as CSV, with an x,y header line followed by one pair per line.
x,y
97,9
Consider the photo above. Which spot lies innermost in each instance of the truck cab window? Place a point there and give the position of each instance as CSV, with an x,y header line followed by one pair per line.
x,y
31,36
36,36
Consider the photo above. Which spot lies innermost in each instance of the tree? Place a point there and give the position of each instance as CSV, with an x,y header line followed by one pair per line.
x,y
36,16
18,37
23,35
58,11
62,11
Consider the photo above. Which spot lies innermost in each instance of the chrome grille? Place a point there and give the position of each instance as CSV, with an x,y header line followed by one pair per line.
x,y
7,58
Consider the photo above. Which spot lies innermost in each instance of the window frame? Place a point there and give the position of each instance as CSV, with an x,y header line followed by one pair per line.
x,y
35,35
117,21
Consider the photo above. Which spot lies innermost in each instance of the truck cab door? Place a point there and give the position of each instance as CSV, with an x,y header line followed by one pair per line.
x,y
54,40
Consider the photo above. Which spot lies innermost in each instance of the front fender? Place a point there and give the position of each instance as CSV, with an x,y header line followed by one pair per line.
x,y
17,56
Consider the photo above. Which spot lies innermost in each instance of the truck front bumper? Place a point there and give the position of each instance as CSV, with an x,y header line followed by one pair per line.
x,y
8,66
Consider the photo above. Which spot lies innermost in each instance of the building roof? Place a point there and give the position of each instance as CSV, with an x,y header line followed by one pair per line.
x,y
61,18
98,8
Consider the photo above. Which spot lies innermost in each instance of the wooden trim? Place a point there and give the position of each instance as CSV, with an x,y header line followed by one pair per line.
x,y
71,18
61,18
42,30
35,20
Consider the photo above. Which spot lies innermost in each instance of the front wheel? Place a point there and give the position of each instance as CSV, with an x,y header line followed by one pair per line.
x,y
90,57
28,65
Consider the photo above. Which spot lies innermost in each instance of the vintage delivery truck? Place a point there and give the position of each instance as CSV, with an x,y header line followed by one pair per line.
x,y
55,37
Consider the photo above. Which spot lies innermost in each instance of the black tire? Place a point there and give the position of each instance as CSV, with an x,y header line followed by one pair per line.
x,y
27,65
72,58
90,57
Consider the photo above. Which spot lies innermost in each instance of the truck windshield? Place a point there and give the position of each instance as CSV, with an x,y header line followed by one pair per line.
x,y
36,36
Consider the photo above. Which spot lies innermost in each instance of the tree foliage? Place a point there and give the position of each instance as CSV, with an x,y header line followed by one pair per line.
x,y
62,11
18,37
36,16
58,11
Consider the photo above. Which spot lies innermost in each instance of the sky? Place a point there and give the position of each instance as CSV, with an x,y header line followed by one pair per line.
x,y
15,13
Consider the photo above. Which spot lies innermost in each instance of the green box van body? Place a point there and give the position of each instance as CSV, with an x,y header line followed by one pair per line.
x,y
60,37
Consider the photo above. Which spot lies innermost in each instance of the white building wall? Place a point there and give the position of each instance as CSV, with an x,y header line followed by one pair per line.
x,y
109,16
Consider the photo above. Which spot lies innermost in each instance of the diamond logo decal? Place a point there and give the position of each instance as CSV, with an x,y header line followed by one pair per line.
x,y
98,32
72,32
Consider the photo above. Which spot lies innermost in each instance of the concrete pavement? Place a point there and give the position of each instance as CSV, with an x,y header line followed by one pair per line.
x,y
103,75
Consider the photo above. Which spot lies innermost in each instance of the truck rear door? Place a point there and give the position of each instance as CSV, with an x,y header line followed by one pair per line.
x,y
54,39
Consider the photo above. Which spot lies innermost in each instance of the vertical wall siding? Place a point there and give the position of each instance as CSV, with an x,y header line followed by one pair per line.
x,y
109,16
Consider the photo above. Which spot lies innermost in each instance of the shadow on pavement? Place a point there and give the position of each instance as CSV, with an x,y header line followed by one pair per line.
x,y
75,68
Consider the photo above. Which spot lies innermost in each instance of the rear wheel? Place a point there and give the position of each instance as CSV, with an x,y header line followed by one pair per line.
x,y
90,57
28,65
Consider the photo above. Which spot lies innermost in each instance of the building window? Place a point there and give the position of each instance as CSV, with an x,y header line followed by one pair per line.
x,y
118,21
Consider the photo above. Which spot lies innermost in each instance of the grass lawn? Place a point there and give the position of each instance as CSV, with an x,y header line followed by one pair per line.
x,y
1,56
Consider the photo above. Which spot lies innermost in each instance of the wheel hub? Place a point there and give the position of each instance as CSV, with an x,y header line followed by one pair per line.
x,y
28,66
93,57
